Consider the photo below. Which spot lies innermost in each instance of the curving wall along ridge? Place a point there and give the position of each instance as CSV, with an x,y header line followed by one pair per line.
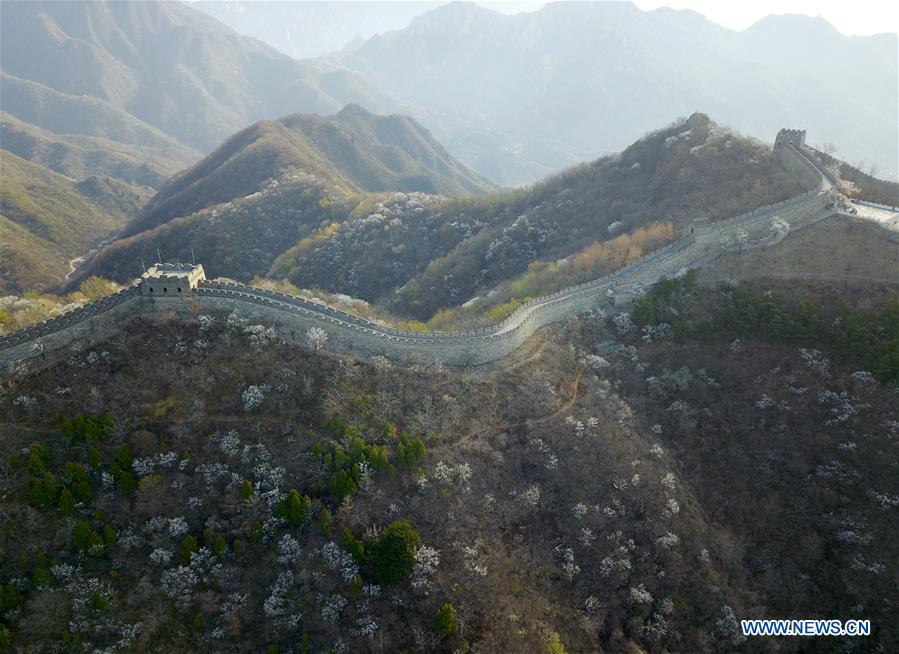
x,y
349,334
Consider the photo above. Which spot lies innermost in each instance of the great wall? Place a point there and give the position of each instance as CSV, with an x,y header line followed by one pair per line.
x,y
191,293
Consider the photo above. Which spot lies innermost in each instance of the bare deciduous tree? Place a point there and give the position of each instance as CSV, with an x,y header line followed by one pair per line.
x,y
316,337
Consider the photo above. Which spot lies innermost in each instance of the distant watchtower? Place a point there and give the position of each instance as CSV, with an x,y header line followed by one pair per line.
x,y
794,137
171,279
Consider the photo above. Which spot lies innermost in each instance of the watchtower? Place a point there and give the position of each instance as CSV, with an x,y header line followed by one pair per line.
x,y
171,279
794,137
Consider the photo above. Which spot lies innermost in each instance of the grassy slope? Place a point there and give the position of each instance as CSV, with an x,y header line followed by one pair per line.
x,y
838,250
79,156
63,113
48,218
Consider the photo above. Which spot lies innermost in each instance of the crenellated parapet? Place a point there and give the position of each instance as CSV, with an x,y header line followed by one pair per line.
x,y
171,278
184,289
794,137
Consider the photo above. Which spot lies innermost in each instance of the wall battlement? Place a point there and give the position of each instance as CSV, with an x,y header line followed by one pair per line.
x,y
174,278
795,137
158,289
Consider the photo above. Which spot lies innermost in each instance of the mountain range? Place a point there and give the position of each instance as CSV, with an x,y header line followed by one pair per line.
x,y
131,92
132,95
286,200
520,94
165,65
311,29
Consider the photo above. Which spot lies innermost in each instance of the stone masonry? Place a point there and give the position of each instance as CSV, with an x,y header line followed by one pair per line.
x,y
183,289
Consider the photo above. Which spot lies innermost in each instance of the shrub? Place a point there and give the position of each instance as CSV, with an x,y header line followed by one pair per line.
x,y
37,460
67,502
188,546
45,490
342,485
78,482
353,545
10,598
391,557
294,508
84,538
445,620
324,521
409,451
554,644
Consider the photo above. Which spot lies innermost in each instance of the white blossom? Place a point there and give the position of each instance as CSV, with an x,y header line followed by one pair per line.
x,y
316,338
639,595
178,527
179,583
333,607
426,561
161,556
254,395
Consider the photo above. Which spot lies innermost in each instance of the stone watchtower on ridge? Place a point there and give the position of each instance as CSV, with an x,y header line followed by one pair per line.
x,y
794,137
171,279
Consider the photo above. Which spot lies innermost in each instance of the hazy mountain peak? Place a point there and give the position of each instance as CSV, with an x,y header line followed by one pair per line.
x,y
457,15
797,25
352,110
507,92
698,119
169,66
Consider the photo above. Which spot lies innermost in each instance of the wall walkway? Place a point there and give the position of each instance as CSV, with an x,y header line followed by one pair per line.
x,y
292,316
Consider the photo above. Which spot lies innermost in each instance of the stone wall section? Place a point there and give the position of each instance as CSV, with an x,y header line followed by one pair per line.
x,y
292,317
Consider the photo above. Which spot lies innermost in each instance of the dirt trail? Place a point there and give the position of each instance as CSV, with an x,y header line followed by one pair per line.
x,y
575,385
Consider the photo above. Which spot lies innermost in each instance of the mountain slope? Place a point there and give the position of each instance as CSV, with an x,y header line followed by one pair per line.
x,y
47,219
312,29
80,115
276,184
80,156
167,65
442,256
639,501
595,75
136,91
415,253
353,150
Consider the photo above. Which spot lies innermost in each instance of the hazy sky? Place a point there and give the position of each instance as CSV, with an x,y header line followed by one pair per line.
x,y
848,16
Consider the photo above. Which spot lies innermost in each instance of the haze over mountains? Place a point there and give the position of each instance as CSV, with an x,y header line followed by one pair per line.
x,y
315,28
166,65
129,94
584,77
658,427
132,92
